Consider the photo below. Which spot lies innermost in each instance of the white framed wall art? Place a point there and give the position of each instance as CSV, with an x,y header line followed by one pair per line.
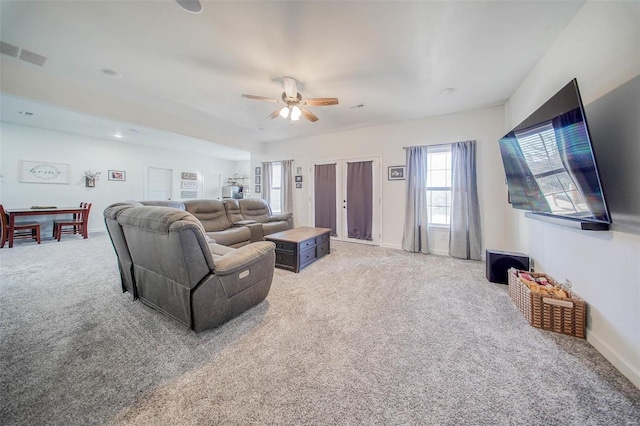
x,y
43,172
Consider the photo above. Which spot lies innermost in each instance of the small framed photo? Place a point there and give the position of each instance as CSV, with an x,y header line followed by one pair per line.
x,y
257,182
298,178
257,189
189,176
298,185
119,175
299,170
396,172
189,194
258,171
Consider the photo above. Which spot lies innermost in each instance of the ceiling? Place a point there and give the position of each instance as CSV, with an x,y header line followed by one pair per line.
x,y
182,74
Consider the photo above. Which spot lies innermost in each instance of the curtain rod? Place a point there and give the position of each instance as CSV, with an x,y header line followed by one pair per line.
x,y
438,144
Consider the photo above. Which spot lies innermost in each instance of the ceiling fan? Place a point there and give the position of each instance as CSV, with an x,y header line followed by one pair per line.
x,y
294,106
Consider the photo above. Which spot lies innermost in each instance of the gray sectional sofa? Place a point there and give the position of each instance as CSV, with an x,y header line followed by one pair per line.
x,y
235,223
190,260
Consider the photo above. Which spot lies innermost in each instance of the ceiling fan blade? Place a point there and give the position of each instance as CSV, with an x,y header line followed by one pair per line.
x,y
290,87
308,114
275,114
261,98
320,101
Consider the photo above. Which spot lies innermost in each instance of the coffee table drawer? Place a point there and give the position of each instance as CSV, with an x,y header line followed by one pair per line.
x,y
286,260
322,249
282,246
322,238
307,256
307,243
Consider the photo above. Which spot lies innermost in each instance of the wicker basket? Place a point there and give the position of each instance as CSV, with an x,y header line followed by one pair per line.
x,y
559,314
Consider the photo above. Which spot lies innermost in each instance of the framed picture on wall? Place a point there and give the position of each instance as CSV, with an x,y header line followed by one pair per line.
x,y
189,194
257,182
298,178
188,184
258,169
189,176
397,172
42,172
257,189
119,175
298,185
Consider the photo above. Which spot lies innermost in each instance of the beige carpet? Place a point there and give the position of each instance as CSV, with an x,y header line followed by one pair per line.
x,y
364,336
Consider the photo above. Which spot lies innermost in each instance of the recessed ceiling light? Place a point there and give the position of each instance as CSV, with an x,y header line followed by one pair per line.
x,y
117,135
27,113
110,72
356,106
191,6
448,91
134,130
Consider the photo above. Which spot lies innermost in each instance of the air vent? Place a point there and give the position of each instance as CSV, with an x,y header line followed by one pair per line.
x,y
25,55
9,49
33,58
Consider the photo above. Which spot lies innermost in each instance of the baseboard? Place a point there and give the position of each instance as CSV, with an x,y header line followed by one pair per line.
x,y
615,359
399,247
391,246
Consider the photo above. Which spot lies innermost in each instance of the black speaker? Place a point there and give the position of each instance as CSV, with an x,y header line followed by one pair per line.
x,y
499,262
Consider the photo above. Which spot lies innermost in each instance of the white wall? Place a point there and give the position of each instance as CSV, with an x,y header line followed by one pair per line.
x,y
387,141
83,153
601,49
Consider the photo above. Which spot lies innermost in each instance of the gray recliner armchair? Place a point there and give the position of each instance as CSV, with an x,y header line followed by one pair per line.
x,y
166,260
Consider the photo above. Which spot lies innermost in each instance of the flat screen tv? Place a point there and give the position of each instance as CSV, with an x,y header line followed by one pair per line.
x,y
550,164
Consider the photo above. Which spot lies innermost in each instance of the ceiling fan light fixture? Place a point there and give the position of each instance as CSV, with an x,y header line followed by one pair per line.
x,y
295,113
284,112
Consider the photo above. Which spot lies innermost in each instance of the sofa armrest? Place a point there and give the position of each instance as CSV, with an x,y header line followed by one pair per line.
x,y
242,257
257,233
279,217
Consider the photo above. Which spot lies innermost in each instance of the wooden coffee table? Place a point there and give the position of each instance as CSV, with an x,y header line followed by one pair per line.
x,y
300,247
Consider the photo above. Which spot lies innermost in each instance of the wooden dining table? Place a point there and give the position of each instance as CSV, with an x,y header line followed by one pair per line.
x,y
45,211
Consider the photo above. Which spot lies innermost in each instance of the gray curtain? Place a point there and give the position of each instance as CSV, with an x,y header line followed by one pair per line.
x,y
360,200
414,236
287,186
266,182
325,197
465,239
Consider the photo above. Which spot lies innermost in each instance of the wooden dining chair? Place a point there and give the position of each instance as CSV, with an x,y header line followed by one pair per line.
x,y
79,224
21,230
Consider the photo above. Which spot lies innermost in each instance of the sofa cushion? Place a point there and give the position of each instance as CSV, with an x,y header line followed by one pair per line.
x,y
233,210
255,209
210,213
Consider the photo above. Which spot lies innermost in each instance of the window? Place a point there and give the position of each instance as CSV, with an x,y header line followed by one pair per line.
x,y
439,186
276,187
